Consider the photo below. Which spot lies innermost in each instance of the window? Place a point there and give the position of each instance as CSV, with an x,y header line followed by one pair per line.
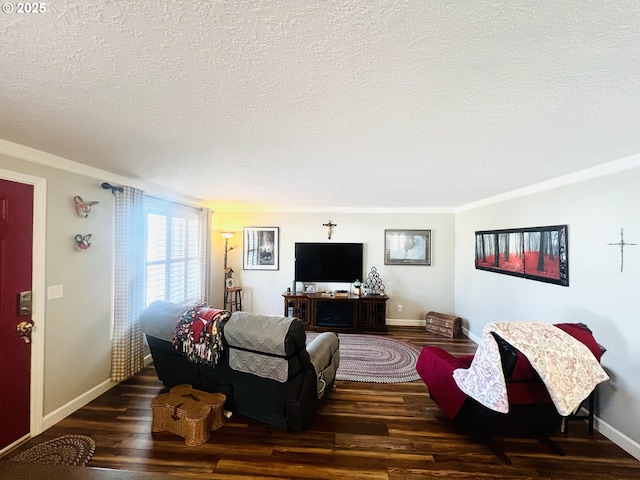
x,y
173,264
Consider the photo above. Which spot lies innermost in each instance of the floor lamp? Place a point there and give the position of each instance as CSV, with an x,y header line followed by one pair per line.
x,y
227,270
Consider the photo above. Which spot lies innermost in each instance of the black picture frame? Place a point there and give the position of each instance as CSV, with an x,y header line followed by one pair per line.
x,y
517,252
260,248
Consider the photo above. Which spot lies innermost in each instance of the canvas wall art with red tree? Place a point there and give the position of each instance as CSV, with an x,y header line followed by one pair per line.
x,y
538,253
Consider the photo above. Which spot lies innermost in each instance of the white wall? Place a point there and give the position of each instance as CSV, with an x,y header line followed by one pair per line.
x,y
418,289
77,326
598,294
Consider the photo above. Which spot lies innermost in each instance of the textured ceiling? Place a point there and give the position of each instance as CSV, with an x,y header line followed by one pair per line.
x,y
327,104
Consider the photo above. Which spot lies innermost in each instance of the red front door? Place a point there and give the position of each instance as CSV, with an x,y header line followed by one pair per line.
x,y
16,240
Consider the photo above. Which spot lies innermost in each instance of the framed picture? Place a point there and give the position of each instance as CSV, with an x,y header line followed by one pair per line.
x,y
229,283
538,253
260,248
309,287
407,247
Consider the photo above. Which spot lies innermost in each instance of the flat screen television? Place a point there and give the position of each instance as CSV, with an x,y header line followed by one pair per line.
x,y
328,262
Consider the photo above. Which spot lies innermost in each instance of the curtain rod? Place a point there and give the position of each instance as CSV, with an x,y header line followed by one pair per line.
x,y
108,186
114,189
197,207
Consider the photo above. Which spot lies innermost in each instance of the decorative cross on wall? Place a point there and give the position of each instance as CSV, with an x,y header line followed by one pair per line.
x,y
329,227
622,243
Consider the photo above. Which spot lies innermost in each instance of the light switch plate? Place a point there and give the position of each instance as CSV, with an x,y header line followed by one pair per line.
x,y
55,291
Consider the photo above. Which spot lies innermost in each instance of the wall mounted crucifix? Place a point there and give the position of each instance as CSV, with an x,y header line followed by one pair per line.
x,y
622,244
329,226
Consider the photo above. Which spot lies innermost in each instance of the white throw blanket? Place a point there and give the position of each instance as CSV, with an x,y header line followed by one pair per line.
x,y
568,368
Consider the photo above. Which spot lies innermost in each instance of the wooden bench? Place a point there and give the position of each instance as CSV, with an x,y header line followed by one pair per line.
x,y
189,413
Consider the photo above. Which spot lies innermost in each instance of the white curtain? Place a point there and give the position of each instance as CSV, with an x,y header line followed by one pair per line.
x,y
204,257
127,357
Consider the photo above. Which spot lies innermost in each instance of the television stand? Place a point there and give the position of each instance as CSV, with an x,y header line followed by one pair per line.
x,y
341,313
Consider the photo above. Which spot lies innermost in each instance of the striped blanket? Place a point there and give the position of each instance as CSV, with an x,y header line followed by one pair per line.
x,y
199,334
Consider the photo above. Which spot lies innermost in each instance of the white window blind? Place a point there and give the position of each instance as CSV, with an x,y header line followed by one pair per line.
x,y
172,267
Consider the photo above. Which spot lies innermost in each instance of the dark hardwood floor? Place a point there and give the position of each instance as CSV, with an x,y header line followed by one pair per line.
x,y
363,431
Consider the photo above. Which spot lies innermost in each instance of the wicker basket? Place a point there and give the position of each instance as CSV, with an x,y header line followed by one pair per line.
x,y
189,413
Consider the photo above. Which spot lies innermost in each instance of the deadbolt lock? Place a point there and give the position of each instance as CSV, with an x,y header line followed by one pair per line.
x,y
24,329
24,304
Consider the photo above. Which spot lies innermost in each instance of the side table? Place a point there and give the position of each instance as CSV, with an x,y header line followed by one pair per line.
x,y
189,413
233,298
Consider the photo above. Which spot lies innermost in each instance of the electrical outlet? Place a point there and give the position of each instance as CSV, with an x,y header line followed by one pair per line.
x,y
399,308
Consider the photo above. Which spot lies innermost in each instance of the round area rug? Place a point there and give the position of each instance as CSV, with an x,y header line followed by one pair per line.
x,y
66,450
375,358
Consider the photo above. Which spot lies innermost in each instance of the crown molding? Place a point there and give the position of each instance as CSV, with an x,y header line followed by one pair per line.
x,y
45,159
631,162
230,208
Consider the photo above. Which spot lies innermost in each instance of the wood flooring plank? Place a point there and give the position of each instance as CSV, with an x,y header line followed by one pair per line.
x,y
298,470
363,430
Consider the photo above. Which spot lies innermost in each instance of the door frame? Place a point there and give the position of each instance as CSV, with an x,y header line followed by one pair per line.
x,y
38,288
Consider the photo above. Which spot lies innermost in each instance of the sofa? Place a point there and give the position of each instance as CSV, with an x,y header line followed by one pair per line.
x,y
530,406
262,365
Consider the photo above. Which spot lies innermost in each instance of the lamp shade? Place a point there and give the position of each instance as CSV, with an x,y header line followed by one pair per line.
x,y
227,235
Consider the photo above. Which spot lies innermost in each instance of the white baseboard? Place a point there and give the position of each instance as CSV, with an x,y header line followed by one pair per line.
x,y
473,337
63,412
404,322
79,402
627,444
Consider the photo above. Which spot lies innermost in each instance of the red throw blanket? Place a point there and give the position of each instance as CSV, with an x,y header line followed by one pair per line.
x,y
199,334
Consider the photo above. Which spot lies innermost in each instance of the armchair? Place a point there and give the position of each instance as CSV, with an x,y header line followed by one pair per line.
x,y
530,405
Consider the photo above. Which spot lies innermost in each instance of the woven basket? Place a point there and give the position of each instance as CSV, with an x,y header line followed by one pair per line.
x,y
189,413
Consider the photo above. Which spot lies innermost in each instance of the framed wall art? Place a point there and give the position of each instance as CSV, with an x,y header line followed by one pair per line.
x,y
407,247
539,253
260,248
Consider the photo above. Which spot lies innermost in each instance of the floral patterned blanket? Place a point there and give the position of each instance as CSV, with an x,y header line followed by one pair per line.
x,y
566,366
199,334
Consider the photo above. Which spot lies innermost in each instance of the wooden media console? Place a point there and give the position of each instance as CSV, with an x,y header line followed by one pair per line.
x,y
351,313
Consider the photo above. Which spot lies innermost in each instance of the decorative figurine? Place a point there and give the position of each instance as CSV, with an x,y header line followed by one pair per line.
x,y
357,284
83,208
82,243
373,283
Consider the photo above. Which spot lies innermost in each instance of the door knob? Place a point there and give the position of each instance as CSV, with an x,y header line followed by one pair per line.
x,y
24,330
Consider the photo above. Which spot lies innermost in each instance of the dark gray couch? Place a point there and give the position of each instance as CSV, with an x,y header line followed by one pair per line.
x,y
266,370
